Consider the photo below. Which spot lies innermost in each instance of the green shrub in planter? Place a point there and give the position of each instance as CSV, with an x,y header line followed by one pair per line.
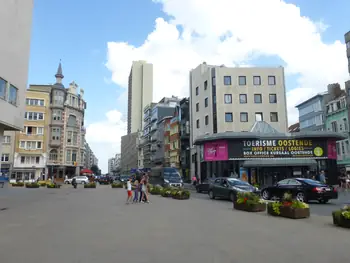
x,y
90,185
166,192
181,194
53,185
157,190
32,185
117,185
19,184
342,217
42,184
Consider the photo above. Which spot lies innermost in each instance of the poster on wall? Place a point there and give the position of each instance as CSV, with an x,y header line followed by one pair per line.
x,y
243,174
278,148
332,150
216,151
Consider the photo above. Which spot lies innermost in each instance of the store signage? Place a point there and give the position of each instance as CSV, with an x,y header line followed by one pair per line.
x,y
274,148
216,151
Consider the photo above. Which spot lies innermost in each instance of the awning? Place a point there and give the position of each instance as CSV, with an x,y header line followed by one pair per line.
x,y
278,162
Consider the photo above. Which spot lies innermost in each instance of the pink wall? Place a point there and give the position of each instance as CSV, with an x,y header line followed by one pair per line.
x,y
332,150
216,151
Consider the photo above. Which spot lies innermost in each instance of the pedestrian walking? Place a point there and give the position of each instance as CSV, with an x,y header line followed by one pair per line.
x,y
136,192
144,197
129,191
322,177
194,180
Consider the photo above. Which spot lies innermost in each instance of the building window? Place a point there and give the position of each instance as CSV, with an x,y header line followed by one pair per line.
x,y
35,102
228,117
12,98
197,91
68,156
334,126
256,81
39,130
273,98
5,157
3,85
338,148
213,81
257,98
259,116
227,80
53,155
23,159
228,98
242,80
30,145
244,116
206,102
37,159
274,117
56,115
7,139
242,98
72,121
206,120
205,85
197,107
345,121
197,124
34,116
348,44
272,80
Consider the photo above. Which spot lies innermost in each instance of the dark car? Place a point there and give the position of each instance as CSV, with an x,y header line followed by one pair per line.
x,y
204,186
104,180
302,189
124,178
228,188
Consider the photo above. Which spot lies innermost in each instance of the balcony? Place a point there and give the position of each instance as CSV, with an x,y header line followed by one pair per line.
x,y
57,122
154,127
55,143
154,148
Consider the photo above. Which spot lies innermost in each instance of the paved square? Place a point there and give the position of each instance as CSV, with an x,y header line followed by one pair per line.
x,y
95,225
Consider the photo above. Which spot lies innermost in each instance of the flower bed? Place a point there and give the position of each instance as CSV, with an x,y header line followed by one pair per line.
x,y
117,185
289,208
156,190
32,185
167,192
342,217
181,194
19,184
53,185
90,185
249,202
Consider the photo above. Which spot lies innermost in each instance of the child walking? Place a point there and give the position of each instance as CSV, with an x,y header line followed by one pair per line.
x,y
136,192
129,191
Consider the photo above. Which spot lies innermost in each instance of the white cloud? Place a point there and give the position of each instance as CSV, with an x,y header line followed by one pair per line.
x,y
104,137
233,32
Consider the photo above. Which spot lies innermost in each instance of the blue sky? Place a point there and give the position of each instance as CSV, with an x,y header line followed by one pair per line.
x,y
77,32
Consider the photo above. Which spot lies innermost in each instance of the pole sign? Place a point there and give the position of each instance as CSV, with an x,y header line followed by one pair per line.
x,y
278,148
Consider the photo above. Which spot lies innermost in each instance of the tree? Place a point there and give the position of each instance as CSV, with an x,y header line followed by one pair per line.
x,y
94,168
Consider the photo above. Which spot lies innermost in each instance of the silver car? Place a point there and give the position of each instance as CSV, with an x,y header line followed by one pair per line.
x,y
81,179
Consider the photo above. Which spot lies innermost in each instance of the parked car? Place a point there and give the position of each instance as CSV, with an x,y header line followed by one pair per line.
x,y
81,179
204,186
302,189
124,178
229,187
104,180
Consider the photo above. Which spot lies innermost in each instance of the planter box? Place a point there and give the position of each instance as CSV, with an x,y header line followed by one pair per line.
x,y
250,208
340,221
293,213
15,185
120,187
56,186
181,197
89,186
167,195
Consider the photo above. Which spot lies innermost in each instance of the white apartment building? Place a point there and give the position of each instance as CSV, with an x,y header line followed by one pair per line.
x,y
15,28
140,93
224,99
111,165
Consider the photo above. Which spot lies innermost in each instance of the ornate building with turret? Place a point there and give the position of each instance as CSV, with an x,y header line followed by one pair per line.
x,y
67,140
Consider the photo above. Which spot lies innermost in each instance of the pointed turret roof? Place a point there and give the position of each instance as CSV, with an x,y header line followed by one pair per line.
x,y
263,127
59,73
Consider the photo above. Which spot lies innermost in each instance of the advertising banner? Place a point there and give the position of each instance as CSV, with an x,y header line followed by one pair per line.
x,y
332,150
278,148
216,151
